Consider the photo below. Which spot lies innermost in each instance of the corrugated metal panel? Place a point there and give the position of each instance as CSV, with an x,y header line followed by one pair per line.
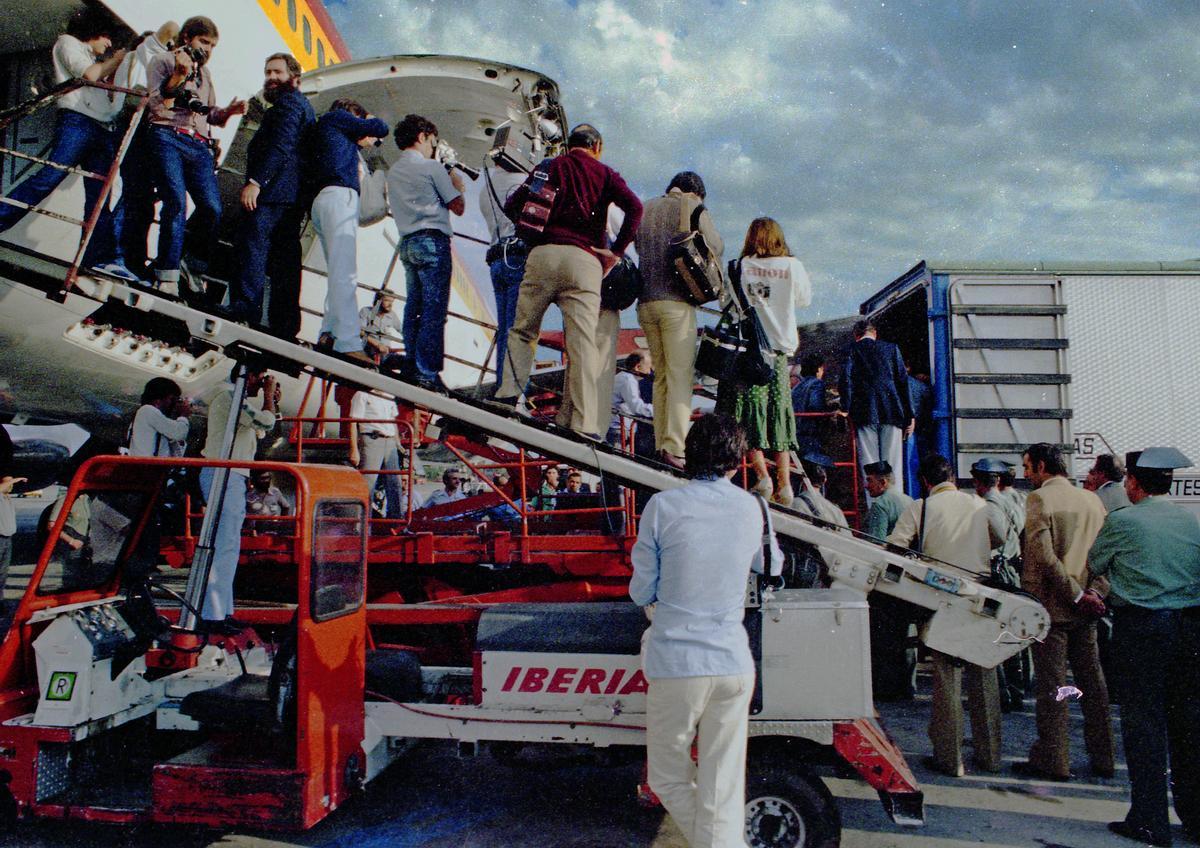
x,y
1135,364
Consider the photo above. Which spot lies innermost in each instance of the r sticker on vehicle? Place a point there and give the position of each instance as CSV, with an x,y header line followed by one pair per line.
x,y
62,686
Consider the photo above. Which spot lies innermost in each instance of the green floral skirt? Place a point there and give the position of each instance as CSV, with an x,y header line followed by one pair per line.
x,y
765,411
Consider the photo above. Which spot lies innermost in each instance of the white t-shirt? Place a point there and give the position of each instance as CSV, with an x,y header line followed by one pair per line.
x,y
154,434
71,58
132,71
381,412
776,287
505,183
245,440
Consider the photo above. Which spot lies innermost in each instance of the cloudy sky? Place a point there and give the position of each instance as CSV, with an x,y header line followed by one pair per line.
x,y
877,133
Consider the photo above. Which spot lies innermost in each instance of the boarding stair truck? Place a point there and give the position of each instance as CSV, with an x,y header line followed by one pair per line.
x,y
1086,356
279,724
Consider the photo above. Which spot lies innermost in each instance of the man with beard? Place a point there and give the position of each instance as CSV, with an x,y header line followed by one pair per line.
x,y
182,110
269,244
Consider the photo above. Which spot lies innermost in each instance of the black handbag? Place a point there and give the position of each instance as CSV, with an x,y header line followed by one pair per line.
x,y
621,286
692,263
737,348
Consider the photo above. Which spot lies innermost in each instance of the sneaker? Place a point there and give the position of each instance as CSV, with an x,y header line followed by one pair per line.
x,y
191,280
118,270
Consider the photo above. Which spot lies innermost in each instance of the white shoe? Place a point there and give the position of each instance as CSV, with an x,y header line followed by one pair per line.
x,y
763,487
784,497
118,270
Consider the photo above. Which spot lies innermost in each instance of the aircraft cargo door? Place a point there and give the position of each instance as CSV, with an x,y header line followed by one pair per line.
x,y
1009,350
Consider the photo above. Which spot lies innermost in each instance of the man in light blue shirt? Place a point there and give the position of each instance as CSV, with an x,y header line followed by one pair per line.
x,y
422,194
695,549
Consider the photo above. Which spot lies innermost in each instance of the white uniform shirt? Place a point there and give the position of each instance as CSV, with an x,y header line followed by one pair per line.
x,y
154,434
695,549
776,287
71,58
955,531
245,440
381,413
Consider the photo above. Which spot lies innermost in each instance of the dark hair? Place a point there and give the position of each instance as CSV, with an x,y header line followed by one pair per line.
x,y
1008,478
293,65
198,25
1050,456
1154,481
1111,467
810,364
89,22
584,135
410,127
861,328
934,469
634,359
160,388
715,445
816,473
346,104
689,182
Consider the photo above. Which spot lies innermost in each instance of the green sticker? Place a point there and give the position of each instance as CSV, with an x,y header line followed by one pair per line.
x,y
62,686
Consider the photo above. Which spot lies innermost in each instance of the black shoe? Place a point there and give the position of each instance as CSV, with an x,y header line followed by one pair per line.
x,y
1139,834
1103,774
1027,769
667,458
434,385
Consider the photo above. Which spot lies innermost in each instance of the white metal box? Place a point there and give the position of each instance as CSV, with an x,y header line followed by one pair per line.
x,y
816,657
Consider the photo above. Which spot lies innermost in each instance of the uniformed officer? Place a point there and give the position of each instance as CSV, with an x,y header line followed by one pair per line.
x,y
893,654
887,502
1150,552
1005,522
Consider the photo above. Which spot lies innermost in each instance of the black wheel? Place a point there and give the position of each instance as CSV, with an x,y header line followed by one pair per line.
x,y
788,807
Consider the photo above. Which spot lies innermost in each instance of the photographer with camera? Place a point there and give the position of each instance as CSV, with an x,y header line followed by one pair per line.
x,y
182,111
423,190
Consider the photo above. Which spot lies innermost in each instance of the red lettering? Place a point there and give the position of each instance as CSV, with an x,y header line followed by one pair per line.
x,y
534,679
636,684
511,680
615,682
560,683
590,681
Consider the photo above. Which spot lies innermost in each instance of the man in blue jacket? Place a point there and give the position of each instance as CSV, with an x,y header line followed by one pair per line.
x,y
269,245
332,163
875,393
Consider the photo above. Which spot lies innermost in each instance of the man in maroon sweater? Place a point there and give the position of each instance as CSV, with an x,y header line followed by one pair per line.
x,y
565,267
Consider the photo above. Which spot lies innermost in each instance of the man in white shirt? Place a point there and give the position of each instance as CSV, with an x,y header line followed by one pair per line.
x,y
954,531
375,446
255,419
627,395
135,210
160,427
695,549
84,136
422,194
376,321
450,492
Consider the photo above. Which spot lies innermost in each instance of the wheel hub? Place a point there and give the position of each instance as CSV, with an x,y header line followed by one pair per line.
x,y
773,822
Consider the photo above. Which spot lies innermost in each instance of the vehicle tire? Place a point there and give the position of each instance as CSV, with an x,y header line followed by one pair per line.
x,y
788,807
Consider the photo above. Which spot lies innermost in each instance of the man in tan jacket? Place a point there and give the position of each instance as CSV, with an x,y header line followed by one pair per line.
x,y
1061,523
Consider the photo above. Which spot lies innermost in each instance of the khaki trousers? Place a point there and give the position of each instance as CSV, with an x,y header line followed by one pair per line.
x,y
1073,643
946,720
569,277
707,799
608,329
670,328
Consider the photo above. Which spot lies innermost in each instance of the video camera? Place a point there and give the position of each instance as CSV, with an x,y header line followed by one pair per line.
x,y
445,154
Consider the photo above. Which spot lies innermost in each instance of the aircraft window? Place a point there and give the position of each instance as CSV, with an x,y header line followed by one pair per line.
x,y
320,53
307,36
338,559
292,14
94,539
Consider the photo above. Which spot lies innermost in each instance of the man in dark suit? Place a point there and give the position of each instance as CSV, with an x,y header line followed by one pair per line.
x,y
875,392
270,240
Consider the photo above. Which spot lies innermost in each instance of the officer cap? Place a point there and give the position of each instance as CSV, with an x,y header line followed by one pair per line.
x,y
877,469
1160,459
818,459
990,465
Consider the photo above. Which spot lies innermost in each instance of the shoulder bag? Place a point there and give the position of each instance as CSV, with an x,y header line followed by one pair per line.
x,y
737,348
691,261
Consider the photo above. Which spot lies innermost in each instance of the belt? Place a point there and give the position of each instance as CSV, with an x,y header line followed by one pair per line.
x,y
192,134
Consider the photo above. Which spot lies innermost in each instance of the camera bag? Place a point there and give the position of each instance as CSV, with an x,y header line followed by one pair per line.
x,y
691,260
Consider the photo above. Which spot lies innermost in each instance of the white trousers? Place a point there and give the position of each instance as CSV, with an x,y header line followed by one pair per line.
x,y
227,544
882,441
707,799
335,218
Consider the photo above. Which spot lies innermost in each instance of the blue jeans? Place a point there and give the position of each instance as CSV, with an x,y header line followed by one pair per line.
x,y
84,142
507,273
427,268
183,166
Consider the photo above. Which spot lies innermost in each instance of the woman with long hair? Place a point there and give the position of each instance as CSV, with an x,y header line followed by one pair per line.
x,y
775,285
